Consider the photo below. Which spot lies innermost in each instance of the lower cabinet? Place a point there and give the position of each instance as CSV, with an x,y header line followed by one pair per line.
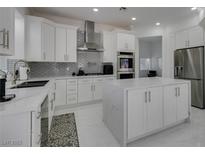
x,y
151,109
85,90
60,92
144,111
176,106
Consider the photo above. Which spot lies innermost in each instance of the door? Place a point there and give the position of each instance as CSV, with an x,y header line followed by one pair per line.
x,y
60,92
108,44
61,43
182,102
196,37
97,88
136,112
181,39
170,105
71,45
85,90
154,109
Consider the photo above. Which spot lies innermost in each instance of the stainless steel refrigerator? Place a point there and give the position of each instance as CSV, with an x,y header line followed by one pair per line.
x,y
189,65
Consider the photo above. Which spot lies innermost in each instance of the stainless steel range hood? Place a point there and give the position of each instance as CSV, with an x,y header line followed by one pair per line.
x,y
91,40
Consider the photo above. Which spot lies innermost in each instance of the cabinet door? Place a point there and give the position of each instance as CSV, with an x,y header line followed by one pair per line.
x,y
170,108
7,23
154,109
85,92
196,37
181,39
121,42
61,43
97,89
60,92
131,42
48,42
108,44
71,45
136,112
182,102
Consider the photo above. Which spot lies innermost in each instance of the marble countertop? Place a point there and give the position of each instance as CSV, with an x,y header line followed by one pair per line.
x,y
145,82
29,99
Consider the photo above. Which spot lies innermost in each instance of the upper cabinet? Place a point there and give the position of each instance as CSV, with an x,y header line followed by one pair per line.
x,y
189,38
40,39
125,42
109,46
66,44
6,31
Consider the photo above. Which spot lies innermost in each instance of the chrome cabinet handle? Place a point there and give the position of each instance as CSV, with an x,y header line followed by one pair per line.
x,y
149,96
176,92
44,56
39,115
7,39
145,97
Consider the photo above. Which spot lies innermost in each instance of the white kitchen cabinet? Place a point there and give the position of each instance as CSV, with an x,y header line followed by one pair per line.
x,y
145,112
182,39
40,37
7,18
85,90
154,109
182,99
72,91
192,37
196,36
175,106
97,88
66,44
136,112
125,42
170,105
60,92
109,53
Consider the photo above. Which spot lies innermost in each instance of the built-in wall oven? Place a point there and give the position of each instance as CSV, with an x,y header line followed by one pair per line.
x,y
125,65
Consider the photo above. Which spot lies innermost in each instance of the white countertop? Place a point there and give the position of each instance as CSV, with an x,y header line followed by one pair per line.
x,y
29,99
144,82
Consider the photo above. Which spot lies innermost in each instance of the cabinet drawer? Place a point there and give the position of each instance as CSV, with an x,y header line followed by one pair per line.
x,y
71,82
71,89
98,79
83,81
71,99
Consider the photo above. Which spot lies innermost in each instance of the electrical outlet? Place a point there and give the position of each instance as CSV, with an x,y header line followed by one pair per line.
x,y
68,69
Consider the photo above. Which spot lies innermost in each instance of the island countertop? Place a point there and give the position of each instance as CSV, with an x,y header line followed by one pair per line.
x,y
127,84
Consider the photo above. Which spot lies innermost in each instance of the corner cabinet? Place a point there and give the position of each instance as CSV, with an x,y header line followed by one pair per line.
x,y
66,43
7,19
192,37
125,42
40,39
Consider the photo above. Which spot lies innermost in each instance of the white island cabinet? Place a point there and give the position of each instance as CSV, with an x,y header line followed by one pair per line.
x,y
136,108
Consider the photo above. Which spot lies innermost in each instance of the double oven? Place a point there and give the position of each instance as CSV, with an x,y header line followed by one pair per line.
x,y
125,65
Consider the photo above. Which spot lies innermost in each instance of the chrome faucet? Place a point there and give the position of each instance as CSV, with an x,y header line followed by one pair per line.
x,y
15,75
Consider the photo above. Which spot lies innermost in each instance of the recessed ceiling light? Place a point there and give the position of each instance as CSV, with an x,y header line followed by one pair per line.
x,y
95,10
157,23
193,8
133,18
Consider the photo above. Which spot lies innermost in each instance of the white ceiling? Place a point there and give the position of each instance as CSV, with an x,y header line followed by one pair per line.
x,y
112,15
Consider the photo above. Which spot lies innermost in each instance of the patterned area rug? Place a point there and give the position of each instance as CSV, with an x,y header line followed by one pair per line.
x,y
63,132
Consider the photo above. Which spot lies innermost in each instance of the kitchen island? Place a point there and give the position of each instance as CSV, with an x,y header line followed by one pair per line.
x,y
135,108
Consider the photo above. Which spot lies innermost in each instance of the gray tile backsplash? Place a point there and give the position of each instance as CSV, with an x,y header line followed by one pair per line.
x,y
91,62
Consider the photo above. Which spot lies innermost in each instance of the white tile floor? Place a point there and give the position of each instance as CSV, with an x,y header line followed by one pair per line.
x,y
93,132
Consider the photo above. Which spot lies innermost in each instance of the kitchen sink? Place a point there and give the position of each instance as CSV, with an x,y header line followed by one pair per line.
x,y
30,84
